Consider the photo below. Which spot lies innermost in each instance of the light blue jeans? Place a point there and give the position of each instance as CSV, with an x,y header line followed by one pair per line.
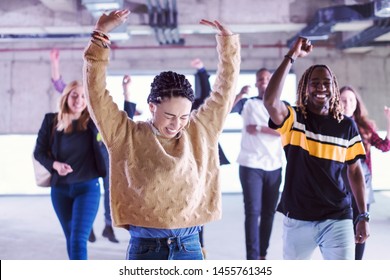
x,y
335,238
171,248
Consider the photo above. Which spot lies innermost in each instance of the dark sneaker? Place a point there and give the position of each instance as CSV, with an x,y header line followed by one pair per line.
x,y
92,237
108,232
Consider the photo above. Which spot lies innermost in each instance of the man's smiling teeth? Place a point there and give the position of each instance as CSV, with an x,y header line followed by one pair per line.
x,y
320,95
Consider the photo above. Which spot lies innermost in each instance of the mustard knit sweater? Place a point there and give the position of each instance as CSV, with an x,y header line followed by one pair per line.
x,y
154,181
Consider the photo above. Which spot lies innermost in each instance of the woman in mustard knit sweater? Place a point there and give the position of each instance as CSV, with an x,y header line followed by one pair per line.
x,y
164,172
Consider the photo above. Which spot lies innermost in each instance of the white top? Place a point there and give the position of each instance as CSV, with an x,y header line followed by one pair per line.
x,y
262,150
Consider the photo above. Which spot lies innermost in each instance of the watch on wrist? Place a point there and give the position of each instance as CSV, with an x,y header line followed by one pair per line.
x,y
363,217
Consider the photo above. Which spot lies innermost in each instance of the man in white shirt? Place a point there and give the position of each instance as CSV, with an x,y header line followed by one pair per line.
x,y
260,170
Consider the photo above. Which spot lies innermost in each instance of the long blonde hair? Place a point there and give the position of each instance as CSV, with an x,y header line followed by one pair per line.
x,y
335,107
64,120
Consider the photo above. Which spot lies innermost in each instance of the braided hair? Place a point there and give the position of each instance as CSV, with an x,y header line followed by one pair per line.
x,y
170,84
335,107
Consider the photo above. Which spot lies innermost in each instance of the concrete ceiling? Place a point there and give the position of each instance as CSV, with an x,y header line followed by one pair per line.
x,y
348,25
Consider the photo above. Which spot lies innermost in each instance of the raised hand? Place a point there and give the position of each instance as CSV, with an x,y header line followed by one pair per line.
x,y
197,63
245,90
126,82
107,23
55,55
55,65
301,48
222,30
387,114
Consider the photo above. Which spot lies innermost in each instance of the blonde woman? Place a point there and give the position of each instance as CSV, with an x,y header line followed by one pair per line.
x,y
67,146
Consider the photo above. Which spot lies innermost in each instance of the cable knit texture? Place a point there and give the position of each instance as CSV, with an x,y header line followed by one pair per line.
x,y
159,182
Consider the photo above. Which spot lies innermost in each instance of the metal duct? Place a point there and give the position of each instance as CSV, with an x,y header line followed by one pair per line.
x,y
367,37
163,21
321,26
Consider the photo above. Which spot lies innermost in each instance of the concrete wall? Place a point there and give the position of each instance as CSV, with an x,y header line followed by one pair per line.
x,y
26,93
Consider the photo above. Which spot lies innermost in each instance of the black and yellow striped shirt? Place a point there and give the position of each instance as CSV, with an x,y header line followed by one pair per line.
x,y
317,148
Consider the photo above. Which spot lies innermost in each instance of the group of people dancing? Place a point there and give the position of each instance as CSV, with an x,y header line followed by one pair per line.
x,y
161,176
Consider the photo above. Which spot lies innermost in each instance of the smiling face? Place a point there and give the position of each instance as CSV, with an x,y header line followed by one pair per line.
x,y
171,115
76,101
348,99
320,91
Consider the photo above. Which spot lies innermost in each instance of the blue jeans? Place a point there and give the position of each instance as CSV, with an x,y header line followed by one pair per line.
x,y
261,193
335,239
76,206
172,248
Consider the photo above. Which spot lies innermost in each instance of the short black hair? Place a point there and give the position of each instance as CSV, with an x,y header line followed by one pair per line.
x,y
170,84
262,70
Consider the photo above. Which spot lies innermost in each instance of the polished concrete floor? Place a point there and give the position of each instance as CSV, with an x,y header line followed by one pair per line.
x,y
30,231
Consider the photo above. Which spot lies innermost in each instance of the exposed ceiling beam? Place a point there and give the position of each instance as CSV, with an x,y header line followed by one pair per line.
x,y
362,17
368,36
146,30
61,5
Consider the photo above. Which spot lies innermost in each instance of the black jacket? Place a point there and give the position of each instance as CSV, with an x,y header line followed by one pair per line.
x,y
47,144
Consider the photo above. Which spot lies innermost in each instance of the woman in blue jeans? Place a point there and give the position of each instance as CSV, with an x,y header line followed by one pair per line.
x,y
130,108
164,171
67,146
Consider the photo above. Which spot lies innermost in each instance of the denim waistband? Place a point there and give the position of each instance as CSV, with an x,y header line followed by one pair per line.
x,y
164,241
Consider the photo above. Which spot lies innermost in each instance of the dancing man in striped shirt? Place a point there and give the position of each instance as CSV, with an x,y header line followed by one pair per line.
x,y
318,142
